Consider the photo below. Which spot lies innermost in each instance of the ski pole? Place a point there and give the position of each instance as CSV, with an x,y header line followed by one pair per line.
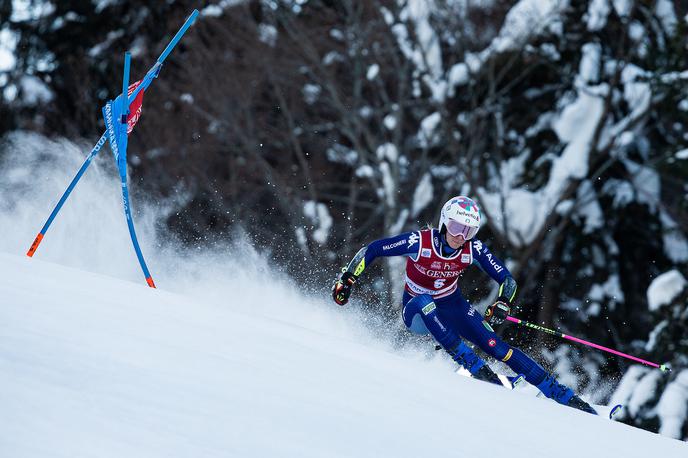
x,y
661,367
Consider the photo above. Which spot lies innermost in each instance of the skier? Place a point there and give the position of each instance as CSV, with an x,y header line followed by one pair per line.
x,y
433,302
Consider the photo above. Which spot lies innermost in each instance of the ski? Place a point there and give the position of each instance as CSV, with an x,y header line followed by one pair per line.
x,y
510,382
519,383
610,412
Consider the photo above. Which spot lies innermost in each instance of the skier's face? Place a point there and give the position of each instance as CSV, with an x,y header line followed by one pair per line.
x,y
455,241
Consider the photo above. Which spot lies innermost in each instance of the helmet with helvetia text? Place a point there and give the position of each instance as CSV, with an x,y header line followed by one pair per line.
x,y
460,215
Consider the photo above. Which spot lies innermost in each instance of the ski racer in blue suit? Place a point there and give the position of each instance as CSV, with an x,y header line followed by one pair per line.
x,y
433,302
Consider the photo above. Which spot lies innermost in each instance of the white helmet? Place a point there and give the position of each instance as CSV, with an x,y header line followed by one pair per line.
x,y
461,216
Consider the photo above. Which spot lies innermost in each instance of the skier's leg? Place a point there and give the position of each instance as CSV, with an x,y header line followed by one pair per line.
x,y
420,316
478,331
470,324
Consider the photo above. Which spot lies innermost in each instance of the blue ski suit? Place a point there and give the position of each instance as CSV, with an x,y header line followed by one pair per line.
x,y
451,318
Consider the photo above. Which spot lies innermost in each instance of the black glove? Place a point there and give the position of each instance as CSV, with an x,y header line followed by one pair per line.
x,y
496,313
341,290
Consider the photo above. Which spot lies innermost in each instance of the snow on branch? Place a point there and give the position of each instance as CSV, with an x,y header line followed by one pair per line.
x,y
664,289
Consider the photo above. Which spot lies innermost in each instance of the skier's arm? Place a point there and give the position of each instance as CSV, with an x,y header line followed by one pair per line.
x,y
406,244
507,290
495,268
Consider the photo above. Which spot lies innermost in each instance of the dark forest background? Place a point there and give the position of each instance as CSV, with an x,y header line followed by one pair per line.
x,y
321,125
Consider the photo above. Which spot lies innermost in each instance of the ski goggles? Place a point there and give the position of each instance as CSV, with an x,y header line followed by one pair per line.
x,y
455,228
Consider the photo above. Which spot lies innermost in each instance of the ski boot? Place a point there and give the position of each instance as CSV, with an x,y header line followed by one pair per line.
x,y
478,368
563,394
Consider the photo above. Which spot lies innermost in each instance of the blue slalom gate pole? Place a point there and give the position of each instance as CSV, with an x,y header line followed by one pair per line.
x,y
63,199
178,36
155,70
125,87
132,233
120,137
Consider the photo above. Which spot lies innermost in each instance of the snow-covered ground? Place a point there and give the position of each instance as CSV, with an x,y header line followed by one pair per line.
x,y
227,358
96,366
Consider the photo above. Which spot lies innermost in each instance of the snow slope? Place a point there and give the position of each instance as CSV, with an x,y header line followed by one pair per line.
x,y
228,358
95,366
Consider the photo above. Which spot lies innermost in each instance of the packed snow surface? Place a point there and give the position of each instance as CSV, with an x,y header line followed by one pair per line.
x,y
228,358
96,366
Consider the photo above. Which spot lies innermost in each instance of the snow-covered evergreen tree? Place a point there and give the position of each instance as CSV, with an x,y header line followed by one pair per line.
x,y
656,401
